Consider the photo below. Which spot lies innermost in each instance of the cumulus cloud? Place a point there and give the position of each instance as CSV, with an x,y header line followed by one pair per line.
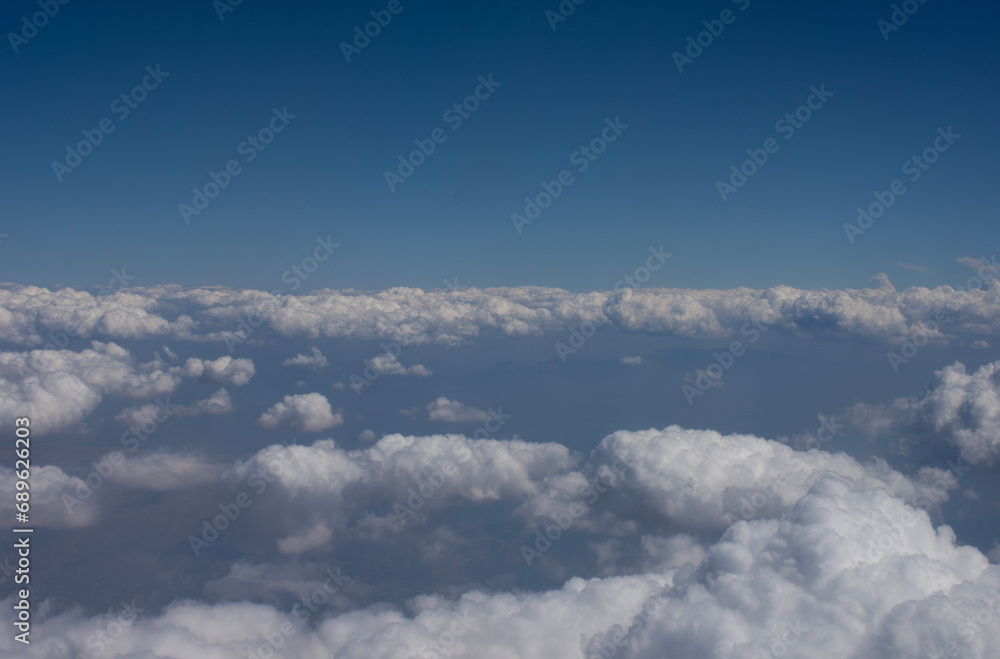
x,y
308,412
329,484
58,388
224,370
805,553
29,315
632,361
316,360
959,407
387,364
703,481
452,411
647,482
846,572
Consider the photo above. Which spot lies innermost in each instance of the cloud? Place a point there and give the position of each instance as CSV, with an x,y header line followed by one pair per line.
x,y
959,408
313,538
324,483
452,411
846,572
387,364
703,481
316,361
632,361
986,268
36,316
308,412
812,553
225,370
980,345
165,471
218,403
650,482
57,389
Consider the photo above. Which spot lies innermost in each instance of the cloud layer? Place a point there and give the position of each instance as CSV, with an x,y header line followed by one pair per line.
x,y
846,570
35,316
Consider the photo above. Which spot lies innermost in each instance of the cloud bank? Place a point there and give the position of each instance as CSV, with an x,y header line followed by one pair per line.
x,y
34,316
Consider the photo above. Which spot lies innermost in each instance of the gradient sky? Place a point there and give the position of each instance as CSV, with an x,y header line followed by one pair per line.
x,y
655,185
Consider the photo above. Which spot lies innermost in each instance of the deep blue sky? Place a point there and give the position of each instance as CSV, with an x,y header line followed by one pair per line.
x,y
324,174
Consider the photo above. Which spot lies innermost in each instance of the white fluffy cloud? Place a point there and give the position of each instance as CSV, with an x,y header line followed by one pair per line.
x,y
308,412
315,360
959,407
832,562
30,315
452,411
387,364
649,482
57,389
703,481
224,370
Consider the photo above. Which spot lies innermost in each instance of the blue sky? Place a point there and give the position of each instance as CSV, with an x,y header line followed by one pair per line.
x,y
324,175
